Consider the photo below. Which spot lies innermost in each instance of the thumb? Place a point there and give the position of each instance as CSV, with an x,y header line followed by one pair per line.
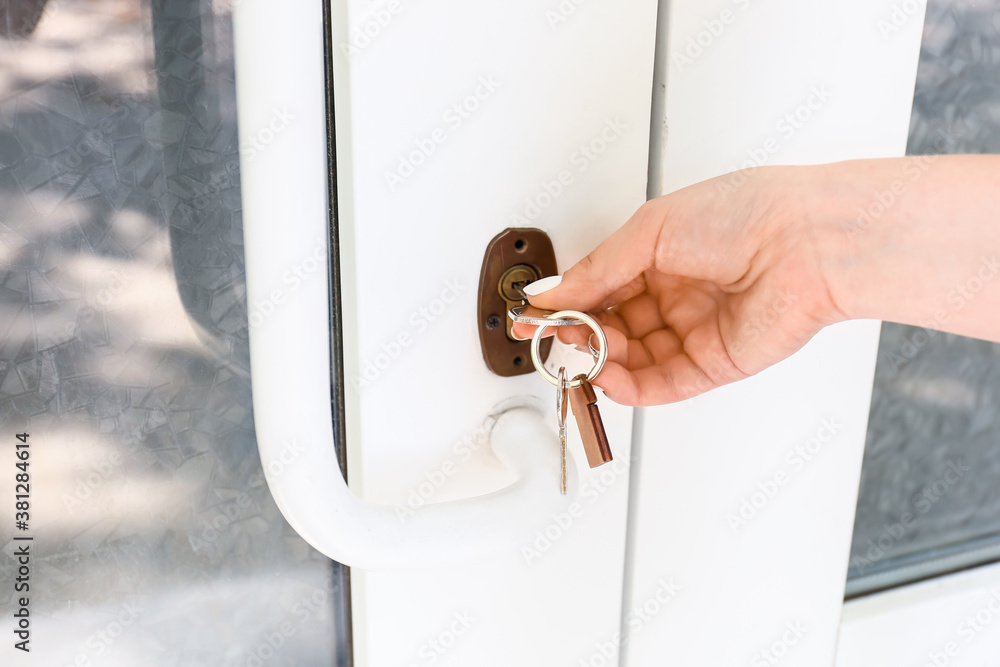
x,y
606,272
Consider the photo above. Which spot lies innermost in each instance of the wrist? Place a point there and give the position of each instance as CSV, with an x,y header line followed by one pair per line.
x,y
808,210
849,209
893,237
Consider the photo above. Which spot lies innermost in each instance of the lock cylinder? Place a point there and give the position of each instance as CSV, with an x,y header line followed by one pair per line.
x,y
514,258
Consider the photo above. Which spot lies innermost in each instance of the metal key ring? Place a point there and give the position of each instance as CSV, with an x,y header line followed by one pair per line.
x,y
536,342
593,350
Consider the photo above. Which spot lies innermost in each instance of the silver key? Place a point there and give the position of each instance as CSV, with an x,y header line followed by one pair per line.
x,y
526,314
561,405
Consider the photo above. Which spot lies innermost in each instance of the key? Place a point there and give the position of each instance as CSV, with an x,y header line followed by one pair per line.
x,y
579,390
588,418
561,405
526,314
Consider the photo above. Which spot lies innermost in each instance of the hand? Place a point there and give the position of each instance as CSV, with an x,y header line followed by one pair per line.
x,y
701,288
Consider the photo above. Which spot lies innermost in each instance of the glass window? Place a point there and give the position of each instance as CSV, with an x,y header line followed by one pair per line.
x,y
124,354
930,484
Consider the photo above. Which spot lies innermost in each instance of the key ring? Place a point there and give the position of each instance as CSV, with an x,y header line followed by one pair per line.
x,y
593,350
536,342
561,396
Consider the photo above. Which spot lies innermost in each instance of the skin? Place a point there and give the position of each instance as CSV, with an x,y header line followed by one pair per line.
x,y
713,283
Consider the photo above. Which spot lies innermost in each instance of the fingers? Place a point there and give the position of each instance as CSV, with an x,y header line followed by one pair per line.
x,y
526,331
578,337
523,331
663,367
677,379
614,265
572,335
651,371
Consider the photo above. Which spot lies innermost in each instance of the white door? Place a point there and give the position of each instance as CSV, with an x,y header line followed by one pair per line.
x,y
746,495
728,534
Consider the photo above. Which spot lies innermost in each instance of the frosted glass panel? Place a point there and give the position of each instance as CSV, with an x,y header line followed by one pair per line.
x,y
930,485
124,355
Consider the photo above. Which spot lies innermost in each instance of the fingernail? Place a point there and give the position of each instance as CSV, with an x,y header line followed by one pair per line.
x,y
543,285
514,333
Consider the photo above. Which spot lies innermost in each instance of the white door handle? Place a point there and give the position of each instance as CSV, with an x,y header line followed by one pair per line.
x,y
284,174
289,355
312,494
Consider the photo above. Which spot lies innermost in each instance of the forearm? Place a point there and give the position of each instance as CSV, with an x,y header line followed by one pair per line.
x,y
913,240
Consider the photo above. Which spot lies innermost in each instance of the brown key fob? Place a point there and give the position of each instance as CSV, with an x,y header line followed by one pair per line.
x,y
588,418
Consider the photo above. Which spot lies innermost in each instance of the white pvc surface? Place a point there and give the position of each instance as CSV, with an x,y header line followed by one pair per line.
x,y
530,94
284,181
770,590
949,621
533,89
551,131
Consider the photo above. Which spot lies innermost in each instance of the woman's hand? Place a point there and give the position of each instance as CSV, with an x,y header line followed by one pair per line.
x,y
700,288
722,279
